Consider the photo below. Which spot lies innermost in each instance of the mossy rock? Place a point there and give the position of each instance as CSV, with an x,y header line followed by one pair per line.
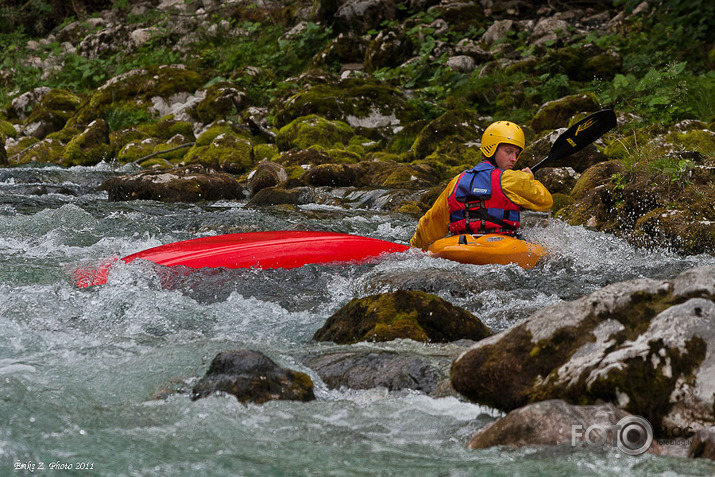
x,y
364,104
48,151
67,133
616,345
304,157
596,176
43,122
132,151
61,100
462,16
252,377
174,185
556,114
389,49
560,201
333,175
222,100
7,129
3,153
313,130
393,174
90,147
401,314
581,63
174,149
230,152
22,143
453,126
698,140
168,127
266,174
345,48
119,139
137,87
264,152
681,230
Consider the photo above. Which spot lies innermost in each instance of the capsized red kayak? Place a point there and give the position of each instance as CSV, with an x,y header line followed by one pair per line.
x,y
263,250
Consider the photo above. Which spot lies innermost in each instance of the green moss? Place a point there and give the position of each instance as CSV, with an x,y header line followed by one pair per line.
x,y
61,100
221,101
448,133
561,201
352,97
167,127
134,150
648,387
90,147
229,152
556,114
7,129
119,139
311,131
264,152
45,151
702,141
135,88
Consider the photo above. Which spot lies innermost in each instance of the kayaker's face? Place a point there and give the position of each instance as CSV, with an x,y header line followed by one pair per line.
x,y
505,156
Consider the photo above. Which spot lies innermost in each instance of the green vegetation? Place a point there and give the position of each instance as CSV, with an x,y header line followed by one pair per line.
x,y
658,66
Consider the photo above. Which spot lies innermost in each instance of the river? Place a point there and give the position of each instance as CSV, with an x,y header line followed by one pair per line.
x,y
79,366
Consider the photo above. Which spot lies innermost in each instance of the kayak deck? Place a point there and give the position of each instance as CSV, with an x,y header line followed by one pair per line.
x,y
487,249
263,250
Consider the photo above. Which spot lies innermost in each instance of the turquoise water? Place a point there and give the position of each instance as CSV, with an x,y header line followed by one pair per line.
x,y
79,367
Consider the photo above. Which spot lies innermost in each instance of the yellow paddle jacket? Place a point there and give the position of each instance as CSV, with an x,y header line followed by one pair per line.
x,y
519,186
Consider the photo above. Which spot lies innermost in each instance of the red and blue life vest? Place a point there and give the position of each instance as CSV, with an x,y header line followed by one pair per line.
x,y
478,204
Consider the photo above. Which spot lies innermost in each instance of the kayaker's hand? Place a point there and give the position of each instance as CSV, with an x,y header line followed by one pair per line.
x,y
528,171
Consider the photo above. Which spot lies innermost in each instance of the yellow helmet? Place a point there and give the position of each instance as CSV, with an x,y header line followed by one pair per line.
x,y
500,132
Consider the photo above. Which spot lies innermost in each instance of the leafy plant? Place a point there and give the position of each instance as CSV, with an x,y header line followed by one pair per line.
x,y
118,118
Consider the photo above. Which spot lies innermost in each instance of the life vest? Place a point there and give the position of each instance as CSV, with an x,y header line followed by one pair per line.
x,y
478,204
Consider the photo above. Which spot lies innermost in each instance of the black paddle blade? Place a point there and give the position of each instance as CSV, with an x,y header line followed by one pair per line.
x,y
579,136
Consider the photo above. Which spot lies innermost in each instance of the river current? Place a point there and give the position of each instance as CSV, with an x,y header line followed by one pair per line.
x,y
78,367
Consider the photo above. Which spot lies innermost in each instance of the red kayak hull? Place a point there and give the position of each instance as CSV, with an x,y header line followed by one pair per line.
x,y
263,250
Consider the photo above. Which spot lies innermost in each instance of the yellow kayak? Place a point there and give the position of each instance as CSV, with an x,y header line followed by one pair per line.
x,y
487,249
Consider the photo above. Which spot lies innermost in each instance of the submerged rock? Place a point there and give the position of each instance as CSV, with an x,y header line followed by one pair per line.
x,y
253,377
401,314
371,369
644,345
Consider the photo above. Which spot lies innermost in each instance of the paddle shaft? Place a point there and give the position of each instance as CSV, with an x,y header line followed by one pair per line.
x,y
579,136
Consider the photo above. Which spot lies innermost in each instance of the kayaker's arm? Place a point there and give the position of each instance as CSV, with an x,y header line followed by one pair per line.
x,y
435,223
525,191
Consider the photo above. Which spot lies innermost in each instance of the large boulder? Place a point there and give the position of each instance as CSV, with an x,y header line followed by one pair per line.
x,y
253,377
174,185
401,314
644,345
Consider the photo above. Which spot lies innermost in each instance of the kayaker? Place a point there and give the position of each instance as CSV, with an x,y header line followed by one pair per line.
x,y
488,197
